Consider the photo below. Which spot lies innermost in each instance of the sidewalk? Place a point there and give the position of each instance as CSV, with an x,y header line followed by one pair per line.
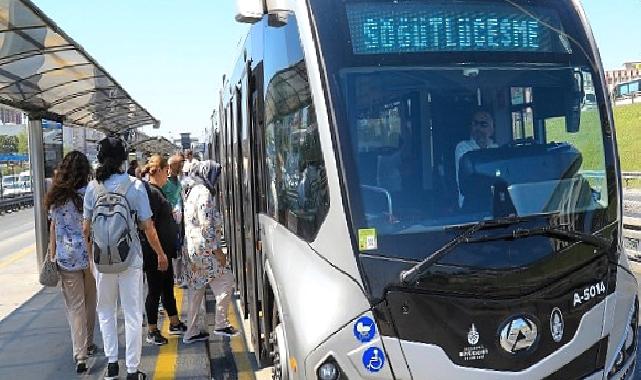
x,y
19,273
36,344
232,358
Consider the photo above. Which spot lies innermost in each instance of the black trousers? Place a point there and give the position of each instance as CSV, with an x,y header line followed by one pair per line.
x,y
160,284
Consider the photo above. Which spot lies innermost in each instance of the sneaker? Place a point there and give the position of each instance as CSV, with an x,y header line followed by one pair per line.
x,y
137,376
112,371
178,329
81,366
227,331
155,337
196,338
91,350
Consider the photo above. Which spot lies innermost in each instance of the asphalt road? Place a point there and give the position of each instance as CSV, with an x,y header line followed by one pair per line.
x,y
18,263
16,231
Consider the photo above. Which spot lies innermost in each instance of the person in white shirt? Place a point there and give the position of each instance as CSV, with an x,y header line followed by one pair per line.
x,y
481,132
189,160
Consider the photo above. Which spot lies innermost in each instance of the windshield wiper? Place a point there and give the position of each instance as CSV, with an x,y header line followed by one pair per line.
x,y
417,270
551,231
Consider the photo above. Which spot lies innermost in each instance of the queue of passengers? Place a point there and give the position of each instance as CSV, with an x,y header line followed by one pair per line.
x,y
107,233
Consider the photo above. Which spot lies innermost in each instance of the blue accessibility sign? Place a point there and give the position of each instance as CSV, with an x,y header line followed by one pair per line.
x,y
365,329
373,359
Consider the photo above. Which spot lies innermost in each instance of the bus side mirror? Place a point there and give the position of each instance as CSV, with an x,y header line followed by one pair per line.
x,y
249,11
574,103
573,115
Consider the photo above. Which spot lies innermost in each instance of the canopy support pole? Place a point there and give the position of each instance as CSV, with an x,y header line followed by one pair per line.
x,y
36,153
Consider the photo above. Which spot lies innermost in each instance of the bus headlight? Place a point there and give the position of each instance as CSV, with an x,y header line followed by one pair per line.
x,y
329,370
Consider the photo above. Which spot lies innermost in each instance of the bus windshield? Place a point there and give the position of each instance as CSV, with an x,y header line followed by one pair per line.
x,y
451,113
439,147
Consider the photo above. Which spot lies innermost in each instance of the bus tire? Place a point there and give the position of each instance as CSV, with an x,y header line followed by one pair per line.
x,y
280,367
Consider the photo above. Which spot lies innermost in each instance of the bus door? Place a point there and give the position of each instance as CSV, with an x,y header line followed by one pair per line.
x,y
229,179
239,245
224,175
249,201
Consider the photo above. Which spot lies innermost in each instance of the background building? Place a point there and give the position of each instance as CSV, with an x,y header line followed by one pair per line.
x,y
630,71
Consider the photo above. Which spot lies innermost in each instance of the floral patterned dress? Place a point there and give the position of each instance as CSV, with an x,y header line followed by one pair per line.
x,y
71,248
201,222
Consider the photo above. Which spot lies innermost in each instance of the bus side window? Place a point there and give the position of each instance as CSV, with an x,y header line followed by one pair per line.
x,y
297,195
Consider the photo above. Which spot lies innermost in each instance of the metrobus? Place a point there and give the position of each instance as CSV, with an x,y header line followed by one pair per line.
x,y
24,182
416,190
10,186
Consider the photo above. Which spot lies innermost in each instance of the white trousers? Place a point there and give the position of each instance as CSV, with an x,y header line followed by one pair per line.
x,y
129,285
223,288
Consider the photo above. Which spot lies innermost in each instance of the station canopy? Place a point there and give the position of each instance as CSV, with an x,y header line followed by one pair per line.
x,y
48,75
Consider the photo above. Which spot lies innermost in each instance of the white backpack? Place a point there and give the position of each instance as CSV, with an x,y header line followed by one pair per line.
x,y
113,229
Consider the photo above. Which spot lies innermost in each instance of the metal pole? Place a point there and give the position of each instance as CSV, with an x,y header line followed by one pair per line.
x,y
36,153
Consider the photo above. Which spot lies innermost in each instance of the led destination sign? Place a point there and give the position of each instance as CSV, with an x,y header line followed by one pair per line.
x,y
378,28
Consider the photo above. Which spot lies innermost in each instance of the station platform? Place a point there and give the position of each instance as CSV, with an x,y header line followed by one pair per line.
x,y
36,344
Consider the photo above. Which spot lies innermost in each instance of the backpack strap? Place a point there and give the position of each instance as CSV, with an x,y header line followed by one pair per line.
x,y
123,187
100,189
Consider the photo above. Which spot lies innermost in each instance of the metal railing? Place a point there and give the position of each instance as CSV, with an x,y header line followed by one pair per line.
x,y
628,176
15,203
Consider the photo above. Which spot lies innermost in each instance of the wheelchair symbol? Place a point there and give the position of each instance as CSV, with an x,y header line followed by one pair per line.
x,y
373,359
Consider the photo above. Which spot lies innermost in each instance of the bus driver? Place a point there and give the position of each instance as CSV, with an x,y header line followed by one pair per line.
x,y
481,132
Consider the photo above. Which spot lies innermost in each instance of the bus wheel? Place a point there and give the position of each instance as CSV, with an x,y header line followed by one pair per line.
x,y
280,369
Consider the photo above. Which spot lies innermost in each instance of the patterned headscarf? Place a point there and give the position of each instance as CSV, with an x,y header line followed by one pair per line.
x,y
205,173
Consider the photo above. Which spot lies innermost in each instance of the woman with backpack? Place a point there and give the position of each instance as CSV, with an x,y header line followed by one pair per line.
x,y
206,262
69,250
160,283
115,205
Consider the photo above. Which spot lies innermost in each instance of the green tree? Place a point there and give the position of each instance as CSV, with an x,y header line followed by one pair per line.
x,y
8,144
23,143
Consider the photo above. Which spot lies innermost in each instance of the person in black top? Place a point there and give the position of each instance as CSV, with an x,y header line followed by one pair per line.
x,y
160,283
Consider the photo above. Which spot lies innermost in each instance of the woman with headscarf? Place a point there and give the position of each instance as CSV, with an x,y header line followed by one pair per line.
x,y
206,264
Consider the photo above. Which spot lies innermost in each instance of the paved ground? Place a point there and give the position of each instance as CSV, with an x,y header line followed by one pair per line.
x,y
34,333
36,337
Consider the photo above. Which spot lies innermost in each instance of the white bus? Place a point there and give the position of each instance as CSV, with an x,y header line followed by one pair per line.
x,y
24,182
409,192
10,186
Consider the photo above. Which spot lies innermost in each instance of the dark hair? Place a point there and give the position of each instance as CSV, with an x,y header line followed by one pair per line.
x,y
111,155
108,166
71,175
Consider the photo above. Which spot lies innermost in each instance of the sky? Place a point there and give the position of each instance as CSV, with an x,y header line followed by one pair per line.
x,y
170,55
